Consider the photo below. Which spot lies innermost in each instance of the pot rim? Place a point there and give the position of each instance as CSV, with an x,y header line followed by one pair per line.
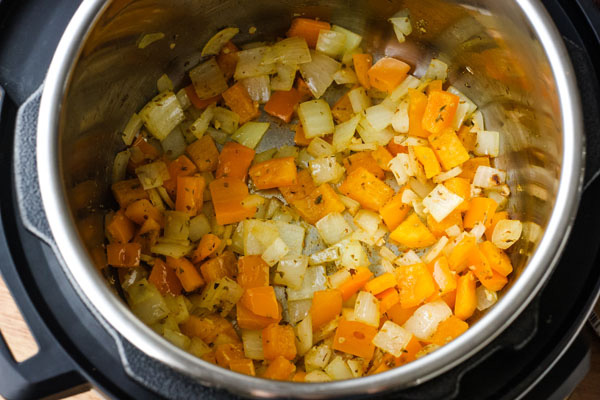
x,y
103,302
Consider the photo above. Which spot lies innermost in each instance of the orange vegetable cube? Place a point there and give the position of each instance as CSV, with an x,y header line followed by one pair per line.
x,y
362,186
388,299
181,166
198,103
399,314
320,202
282,104
415,283
123,254
381,283
141,210
444,279
326,305
246,319
342,110
204,153
395,148
300,138
234,161
303,89
227,195
413,233
434,85
495,282
362,64
355,338
208,328
448,148
382,157
460,253
164,278
190,194
499,216
303,187
467,138
239,101
225,353
308,29
427,158
128,191
188,275
253,271
274,173
387,74
439,228
358,278
440,111
243,366
448,330
417,102
466,299
299,376
208,246
219,267
261,301
497,258
450,298
481,209
228,59
279,341
394,211
470,167
461,187
365,160
279,369
120,228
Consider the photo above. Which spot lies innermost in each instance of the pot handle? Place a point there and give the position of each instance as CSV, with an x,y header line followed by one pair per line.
x,y
51,370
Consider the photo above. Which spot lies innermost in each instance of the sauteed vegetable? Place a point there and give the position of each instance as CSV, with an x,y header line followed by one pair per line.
x,y
368,243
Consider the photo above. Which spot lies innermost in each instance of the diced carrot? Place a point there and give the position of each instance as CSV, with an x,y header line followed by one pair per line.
x,y
461,187
274,173
387,74
128,191
279,341
299,376
364,187
120,228
246,319
142,210
164,279
444,278
365,160
466,299
413,233
307,28
440,110
358,278
253,271
342,110
498,259
470,167
209,244
481,209
460,253
362,65
261,301
448,330
243,366
190,192
395,148
497,217
240,102
303,89
434,85
381,283
225,353
427,158
181,166
439,228
383,157
282,104
207,328
417,103
123,254
303,187
448,148
228,59
279,369
326,305
234,161
355,338
219,267
299,136
467,138
320,202
196,101
227,195
415,283
204,153
188,275
399,314
388,299
146,150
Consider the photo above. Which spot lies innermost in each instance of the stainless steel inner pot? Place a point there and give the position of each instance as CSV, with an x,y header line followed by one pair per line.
x,y
505,55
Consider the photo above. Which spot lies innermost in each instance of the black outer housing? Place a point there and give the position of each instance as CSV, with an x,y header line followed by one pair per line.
x,y
77,351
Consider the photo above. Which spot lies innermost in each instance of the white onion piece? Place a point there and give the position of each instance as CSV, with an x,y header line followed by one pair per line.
x,y
488,177
408,196
441,202
216,43
332,43
319,73
488,143
425,320
392,338
291,51
366,309
379,116
477,231
333,228
400,120
485,298
444,176
208,79
437,70
506,233
408,258
359,99
258,88
435,250
410,82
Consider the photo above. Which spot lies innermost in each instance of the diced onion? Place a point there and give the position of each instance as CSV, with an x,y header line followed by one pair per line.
x,y
408,258
291,51
218,135
290,271
408,196
164,83
400,167
183,99
351,205
319,73
367,220
437,70
152,175
198,347
304,335
477,119
120,166
506,233
253,347
392,338
325,169
359,99
292,235
501,200
338,369
216,43
477,231
221,296
171,249
165,196
410,82
441,202
352,39
316,118
208,79
317,358
298,310
400,121
444,176
332,43
422,189
356,367
345,76
174,144
402,27
162,114
250,133
487,177
464,99
435,250
453,231
353,255
379,116
199,226
314,280
146,302
258,88
199,126
370,135
333,228
425,320
366,309
132,129
344,132
250,63
485,298
320,148
336,279
284,79
225,120
324,256
488,143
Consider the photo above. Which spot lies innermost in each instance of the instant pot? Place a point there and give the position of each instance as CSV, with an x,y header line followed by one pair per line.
x,y
539,90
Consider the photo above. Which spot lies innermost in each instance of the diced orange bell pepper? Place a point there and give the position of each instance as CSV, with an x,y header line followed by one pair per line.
x,y
190,194
498,259
181,166
123,254
307,28
128,191
219,267
246,319
399,314
417,102
142,210
243,366
204,153
383,157
279,369
362,186
274,173
227,352
444,278
388,299
415,283
196,101
120,228
165,279
320,202
299,136
439,228
209,244
279,341
326,305
234,161
282,104
394,211
427,158
448,330
387,74
434,85
448,148
481,209
362,64
497,217
299,376
461,187
358,278
395,148
342,110
365,160
239,101
355,338
208,328
253,271
413,233
440,111
261,301
303,89
460,253
227,195
466,299
470,167
381,283
303,187
467,138
188,275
